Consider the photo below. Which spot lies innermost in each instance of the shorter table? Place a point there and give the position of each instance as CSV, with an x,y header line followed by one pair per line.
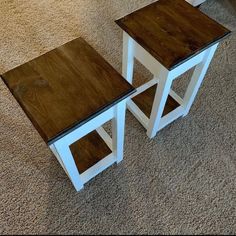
x,y
168,37
68,94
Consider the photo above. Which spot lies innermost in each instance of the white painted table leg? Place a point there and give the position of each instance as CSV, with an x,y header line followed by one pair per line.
x,y
62,151
197,78
118,128
56,154
128,57
68,162
160,99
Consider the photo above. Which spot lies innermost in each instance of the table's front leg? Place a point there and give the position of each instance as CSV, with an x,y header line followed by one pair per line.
x,y
197,78
67,161
162,93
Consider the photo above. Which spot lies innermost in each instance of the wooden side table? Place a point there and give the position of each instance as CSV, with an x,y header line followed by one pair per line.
x,y
68,94
168,37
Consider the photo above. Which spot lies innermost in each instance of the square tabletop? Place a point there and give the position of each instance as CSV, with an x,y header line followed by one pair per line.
x,y
172,31
64,88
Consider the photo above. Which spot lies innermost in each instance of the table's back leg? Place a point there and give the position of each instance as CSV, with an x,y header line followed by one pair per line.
x,y
128,58
118,130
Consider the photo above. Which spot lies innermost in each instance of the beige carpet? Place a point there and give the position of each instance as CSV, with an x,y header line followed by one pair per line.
x,y
181,182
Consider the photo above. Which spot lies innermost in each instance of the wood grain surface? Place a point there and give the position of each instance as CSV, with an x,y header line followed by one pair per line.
x,y
88,151
66,87
172,31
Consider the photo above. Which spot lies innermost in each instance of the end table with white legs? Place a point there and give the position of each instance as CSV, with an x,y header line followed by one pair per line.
x,y
68,94
168,37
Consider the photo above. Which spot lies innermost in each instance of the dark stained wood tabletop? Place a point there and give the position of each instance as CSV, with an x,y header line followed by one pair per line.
x,y
172,31
65,88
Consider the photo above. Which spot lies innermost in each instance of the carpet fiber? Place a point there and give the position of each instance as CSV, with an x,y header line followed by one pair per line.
x,y
181,182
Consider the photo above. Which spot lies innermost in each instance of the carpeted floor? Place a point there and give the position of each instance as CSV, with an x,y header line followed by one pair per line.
x,y
181,182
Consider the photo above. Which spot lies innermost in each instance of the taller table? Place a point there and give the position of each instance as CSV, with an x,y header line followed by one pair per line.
x,y
168,37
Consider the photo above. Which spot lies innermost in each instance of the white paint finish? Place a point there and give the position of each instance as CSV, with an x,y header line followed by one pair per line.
x,y
69,163
118,129
88,127
177,98
147,59
61,149
98,168
187,65
105,136
128,57
165,79
197,78
195,2
162,93
169,118
139,115
145,86
53,149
